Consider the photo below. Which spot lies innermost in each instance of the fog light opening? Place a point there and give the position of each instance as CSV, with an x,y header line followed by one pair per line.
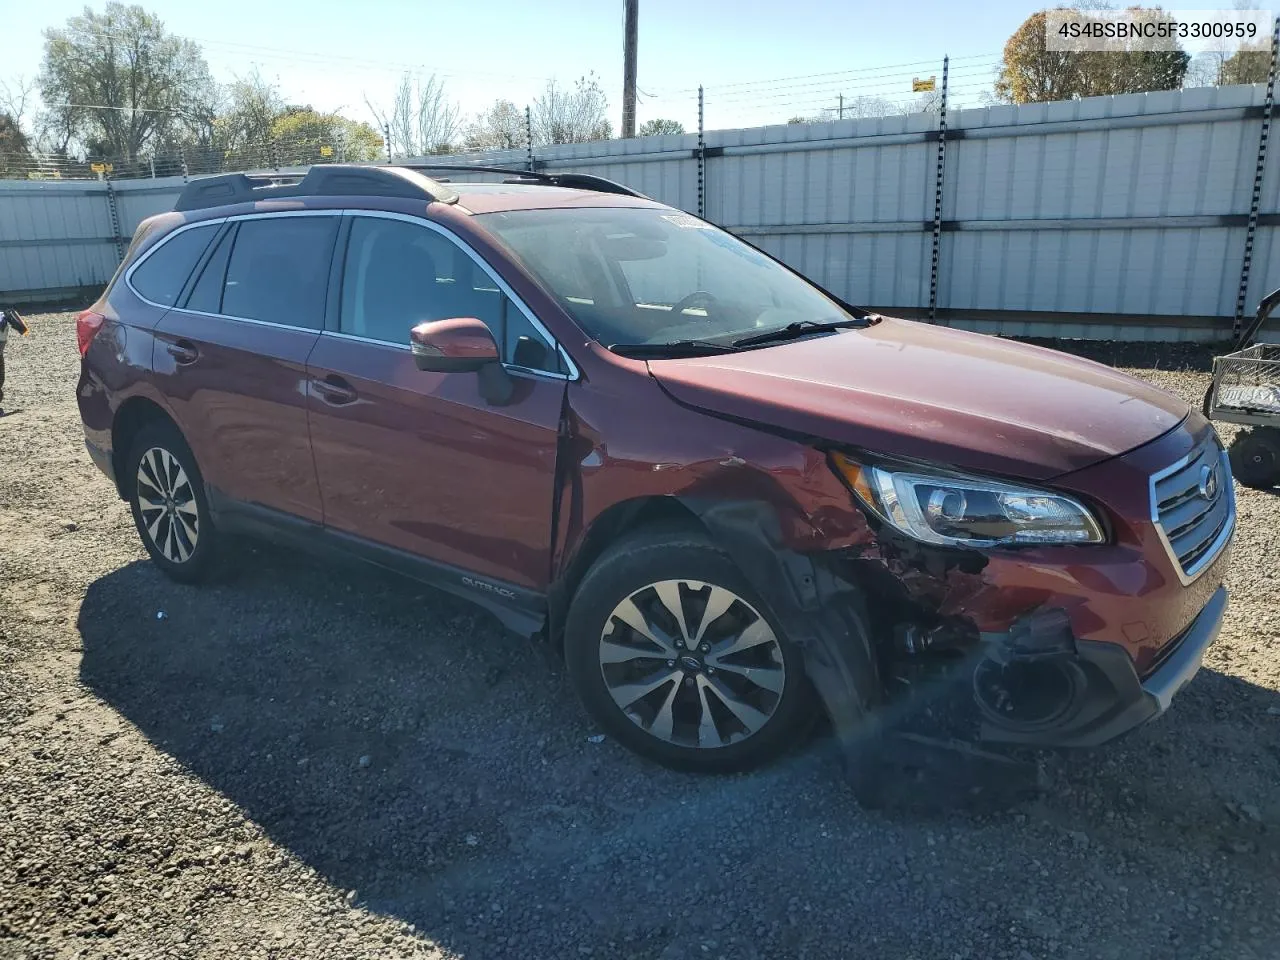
x,y
1027,695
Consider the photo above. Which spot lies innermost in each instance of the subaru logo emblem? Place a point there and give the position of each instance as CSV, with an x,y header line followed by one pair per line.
x,y
1208,481
690,663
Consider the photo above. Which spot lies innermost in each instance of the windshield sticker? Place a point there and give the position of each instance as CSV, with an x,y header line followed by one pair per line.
x,y
686,222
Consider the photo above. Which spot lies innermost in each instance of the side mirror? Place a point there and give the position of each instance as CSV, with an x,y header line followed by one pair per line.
x,y
456,345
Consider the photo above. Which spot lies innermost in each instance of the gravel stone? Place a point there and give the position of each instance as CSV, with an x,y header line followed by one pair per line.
x,y
492,824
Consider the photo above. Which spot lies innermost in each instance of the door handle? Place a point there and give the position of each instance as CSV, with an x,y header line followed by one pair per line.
x,y
184,352
334,390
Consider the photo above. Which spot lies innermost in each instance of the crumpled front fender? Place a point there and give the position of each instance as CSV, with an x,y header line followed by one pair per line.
x,y
822,614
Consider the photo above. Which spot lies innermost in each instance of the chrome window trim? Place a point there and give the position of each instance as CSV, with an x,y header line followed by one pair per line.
x,y
1189,576
218,221
511,368
128,275
259,323
338,335
551,342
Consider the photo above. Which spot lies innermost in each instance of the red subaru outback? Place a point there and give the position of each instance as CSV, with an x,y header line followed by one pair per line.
x,y
731,499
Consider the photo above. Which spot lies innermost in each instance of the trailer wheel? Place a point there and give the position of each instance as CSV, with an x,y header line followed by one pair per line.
x,y
1255,457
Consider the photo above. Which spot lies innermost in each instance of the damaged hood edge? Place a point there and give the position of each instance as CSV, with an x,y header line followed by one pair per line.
x,y
933,394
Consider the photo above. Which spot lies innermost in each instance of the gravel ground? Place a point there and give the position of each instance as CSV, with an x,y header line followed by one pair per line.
x,y
313,761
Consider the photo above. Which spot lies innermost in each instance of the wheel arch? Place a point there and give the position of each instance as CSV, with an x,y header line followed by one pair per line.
x,y
618,520
134,414
819,610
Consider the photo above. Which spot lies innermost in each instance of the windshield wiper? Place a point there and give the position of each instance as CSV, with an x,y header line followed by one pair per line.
x,y
801,328
672,349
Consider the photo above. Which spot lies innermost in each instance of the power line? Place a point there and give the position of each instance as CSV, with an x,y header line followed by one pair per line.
x,y
880,91
809,76
318,58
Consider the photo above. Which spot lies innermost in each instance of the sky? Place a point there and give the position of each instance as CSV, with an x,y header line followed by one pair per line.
x,y
760,61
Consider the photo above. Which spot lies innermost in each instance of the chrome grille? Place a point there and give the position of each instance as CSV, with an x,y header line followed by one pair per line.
x,y
1193,508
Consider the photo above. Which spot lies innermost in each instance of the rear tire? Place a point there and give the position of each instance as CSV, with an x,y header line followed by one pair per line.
x,y
709,708
1255,457
170,509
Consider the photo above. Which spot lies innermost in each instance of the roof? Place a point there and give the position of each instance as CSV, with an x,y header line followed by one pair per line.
x,y
521,190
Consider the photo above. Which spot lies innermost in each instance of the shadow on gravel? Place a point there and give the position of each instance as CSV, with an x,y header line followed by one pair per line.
x,y
407,748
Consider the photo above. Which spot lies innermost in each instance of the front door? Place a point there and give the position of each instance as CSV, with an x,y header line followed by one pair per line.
x,y
420,461
232,359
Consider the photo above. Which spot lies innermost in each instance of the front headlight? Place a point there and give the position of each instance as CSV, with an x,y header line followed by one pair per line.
x,y
967,511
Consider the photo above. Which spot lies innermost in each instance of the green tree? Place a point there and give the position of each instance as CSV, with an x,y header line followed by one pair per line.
x,y
300,136
658,128
15,157
1031,73
117,81
1249,64
501,127
253,105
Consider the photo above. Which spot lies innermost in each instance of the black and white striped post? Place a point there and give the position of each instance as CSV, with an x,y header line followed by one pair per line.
x,y
702,161
1263,135
937,195
528,137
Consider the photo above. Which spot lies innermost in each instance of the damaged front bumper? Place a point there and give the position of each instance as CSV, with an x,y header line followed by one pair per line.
x,y
848,618
1114,700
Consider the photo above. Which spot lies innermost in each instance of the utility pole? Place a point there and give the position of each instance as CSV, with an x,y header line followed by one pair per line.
x,y
841,105
629,69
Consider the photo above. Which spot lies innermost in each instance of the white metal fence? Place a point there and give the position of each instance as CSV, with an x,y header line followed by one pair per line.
x,y
1116,217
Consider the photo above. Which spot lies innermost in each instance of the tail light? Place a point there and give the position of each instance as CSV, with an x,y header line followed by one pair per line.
x,y
88,324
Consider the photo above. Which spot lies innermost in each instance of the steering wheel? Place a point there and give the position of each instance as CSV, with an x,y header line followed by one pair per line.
x,y
697,298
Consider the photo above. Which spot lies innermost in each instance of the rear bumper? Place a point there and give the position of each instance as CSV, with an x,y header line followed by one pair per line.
x,y
1116,700
101,459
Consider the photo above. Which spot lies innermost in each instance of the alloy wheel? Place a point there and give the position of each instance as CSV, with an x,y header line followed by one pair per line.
x,y
692,663
167,502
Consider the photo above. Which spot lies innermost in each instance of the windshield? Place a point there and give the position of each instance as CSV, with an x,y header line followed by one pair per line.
x,y
637,275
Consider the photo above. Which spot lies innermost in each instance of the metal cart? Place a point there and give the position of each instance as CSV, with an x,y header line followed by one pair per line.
x,y
1246,390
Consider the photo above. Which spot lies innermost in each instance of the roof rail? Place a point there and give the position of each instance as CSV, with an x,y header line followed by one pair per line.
x,y
321,180
582,181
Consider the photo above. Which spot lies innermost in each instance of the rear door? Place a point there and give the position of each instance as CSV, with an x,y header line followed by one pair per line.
x,y
420,461
231,357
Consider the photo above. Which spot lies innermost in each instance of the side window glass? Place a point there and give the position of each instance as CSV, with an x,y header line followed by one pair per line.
x,y
524,346
162,275
206,295
398,274
278,270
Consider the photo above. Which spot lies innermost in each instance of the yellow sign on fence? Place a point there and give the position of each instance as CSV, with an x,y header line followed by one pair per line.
x,y
101,167
326,151
923,86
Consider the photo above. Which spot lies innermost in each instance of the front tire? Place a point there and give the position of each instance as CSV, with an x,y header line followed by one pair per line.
x,y
1255,457
170,509
676,657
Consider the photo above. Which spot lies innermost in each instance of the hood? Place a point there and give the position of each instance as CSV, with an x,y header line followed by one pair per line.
x,y
931,393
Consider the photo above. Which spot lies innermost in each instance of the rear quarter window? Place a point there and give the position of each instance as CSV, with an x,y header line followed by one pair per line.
x,y
162,275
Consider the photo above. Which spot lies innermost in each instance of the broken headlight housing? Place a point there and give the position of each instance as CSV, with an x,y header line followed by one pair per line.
x,y
954,510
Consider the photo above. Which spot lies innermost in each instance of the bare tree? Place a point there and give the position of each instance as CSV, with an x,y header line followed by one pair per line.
x,y
254,105
439,120
421,120
501,127
18,98
572,116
